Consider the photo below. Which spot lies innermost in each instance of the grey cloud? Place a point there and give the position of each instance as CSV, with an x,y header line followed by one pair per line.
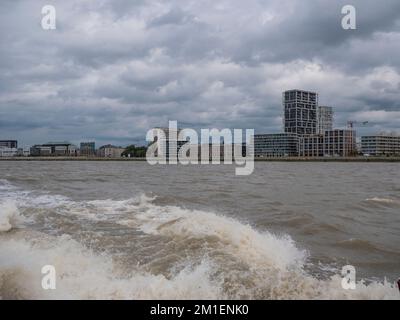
x,y
175,16
113,69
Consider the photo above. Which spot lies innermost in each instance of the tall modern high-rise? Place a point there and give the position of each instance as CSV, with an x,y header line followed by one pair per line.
x,y
300,111
325,119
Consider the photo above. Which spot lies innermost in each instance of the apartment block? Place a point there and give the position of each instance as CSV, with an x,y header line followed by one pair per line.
x,y
340,142
311,145
324,119
276,145
380,145
300,111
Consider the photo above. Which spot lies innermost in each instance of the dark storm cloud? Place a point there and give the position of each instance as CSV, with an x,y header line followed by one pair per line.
x,y
113,69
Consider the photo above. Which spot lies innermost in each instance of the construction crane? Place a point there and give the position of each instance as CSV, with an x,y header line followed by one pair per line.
x,y
351,123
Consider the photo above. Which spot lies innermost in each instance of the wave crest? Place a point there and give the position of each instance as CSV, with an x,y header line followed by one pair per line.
x,y
227,259
81,274
9,216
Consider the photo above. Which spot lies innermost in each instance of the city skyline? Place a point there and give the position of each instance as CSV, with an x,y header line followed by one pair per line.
x,y
308,131
319,121
109,72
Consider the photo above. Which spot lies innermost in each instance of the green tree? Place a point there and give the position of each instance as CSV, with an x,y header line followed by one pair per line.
x,y
134,152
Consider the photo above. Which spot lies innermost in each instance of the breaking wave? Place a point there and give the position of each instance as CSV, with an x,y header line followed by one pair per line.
x,y
82,274
9,216
201,255
383,200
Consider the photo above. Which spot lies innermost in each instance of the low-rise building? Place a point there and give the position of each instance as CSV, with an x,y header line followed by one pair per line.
x,y
8,152
23,152
39,150
336,142
110,151
9,144
340,142
54,149
276,145
87,149
381,145
311,145
333,143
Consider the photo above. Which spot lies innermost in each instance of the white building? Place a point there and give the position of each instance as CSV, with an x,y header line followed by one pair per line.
x,y
8,152
110,151
23,152
381,145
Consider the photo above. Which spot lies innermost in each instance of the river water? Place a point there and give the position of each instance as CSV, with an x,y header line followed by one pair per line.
x,y
128,230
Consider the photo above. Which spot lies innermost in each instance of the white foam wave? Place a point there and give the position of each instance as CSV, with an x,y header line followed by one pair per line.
x,y
277,265
274,266
80,274
383,200
9,216
253,247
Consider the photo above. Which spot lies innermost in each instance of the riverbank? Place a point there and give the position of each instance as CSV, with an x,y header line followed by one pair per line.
x,y
288,159
68,159
333,159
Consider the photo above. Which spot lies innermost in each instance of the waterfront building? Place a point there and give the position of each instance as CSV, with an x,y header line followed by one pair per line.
x,y
334,143
9,144
54,149
110,151
39,150
311,145
381,145
276,145
23,152
87,149
300,111
8,152
340,142
324,119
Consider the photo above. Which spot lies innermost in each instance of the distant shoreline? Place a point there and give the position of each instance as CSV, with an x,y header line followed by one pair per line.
x,y
291,159
68,159
338,159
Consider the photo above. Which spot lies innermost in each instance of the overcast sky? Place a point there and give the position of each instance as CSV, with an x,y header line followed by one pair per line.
x,y
115,68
